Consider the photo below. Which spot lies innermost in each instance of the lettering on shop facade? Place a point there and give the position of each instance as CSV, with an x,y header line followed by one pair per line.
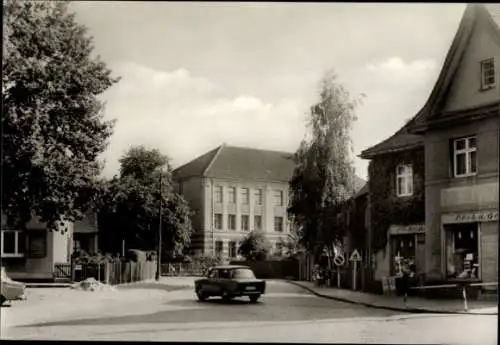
x,y
407,229
471,217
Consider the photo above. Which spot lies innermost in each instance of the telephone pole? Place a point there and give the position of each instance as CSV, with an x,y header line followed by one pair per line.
x,y
158,256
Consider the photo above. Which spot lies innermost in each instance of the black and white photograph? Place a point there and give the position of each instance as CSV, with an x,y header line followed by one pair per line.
x,y
250,172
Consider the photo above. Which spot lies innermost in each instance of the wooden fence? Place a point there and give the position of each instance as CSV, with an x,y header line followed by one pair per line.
x,y
115,272
183,269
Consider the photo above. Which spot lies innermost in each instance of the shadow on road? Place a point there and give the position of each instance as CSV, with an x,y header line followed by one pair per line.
x,y
152,286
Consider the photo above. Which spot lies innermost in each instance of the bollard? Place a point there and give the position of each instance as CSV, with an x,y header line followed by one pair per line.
x,y
464,294
405,299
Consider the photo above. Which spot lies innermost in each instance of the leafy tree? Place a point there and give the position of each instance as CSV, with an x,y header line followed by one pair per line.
x,y
323,178
254,247
130,206
52,121
290,245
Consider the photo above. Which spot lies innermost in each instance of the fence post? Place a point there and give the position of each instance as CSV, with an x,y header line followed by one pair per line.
x,y
106,272
464,294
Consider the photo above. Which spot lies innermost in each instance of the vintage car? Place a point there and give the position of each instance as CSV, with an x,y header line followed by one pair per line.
x,y
9,289
228,282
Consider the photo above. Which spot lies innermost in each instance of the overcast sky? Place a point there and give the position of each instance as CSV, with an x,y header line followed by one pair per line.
x,y
195,75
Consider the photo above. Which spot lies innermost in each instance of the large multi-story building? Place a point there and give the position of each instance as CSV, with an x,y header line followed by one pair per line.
x,y
233,191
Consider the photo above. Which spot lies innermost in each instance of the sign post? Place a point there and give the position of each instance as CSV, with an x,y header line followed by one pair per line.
x,y
339,260
355,257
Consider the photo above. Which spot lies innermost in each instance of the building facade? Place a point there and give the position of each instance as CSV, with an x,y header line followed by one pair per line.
x,y
456,134
396,204
460,128
233,191
33,253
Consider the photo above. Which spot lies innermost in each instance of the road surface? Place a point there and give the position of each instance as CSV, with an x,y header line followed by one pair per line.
x,y
286,313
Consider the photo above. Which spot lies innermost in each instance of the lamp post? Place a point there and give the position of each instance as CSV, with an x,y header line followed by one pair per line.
x,y
158,256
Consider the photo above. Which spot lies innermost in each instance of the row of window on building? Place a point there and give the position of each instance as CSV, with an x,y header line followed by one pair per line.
x,y
233,248
245,222
278,196
464,164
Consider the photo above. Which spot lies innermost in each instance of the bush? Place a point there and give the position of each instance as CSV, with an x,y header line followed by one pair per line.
x,y
254,247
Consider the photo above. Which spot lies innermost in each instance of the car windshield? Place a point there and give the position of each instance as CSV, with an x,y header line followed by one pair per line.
x,y
243,273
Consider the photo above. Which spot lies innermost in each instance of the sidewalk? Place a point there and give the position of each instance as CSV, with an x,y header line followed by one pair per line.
x,y
413,305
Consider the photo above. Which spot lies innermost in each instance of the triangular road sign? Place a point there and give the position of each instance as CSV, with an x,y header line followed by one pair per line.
x,y
355,256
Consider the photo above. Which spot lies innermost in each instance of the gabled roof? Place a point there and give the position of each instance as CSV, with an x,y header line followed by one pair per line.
x,y
231,162
407,137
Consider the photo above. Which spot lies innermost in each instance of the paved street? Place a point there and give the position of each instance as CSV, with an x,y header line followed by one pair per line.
x,y
286,313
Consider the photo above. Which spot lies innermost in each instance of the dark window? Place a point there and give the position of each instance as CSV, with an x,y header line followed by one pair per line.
x,y
244,222
231,222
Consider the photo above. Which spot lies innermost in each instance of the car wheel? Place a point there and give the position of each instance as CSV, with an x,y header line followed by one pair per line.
x,y
254,298
201,295
2,299
226,297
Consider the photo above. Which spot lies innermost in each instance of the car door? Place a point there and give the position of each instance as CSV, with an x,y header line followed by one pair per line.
x,y
211,285
223,279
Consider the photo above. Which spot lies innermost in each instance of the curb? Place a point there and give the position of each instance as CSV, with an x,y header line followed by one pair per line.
x,y
47,285
370,305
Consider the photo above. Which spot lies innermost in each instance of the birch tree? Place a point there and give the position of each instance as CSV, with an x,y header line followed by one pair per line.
x,y
323,180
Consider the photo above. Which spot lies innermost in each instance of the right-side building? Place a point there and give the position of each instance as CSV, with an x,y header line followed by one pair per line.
x,y
458,128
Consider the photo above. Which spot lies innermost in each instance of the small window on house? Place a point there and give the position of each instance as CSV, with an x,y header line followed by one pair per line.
x,y
257,222
404,180
231,222
232,249
232,195
219,247
278,224
218,195
245,196
218,221
259,197
278,198
488,73
464,157
12,244
244,222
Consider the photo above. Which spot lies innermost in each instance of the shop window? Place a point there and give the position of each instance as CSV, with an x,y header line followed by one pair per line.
x,y
13,244
403,253
462,244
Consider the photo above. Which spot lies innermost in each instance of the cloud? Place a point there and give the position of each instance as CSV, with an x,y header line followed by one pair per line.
x,y
395,70
185,115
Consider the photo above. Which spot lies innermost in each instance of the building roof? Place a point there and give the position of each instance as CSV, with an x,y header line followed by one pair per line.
x,y
406,137
231,162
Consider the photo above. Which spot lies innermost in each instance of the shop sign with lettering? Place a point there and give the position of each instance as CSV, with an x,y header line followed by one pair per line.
x,y
407,229
470,217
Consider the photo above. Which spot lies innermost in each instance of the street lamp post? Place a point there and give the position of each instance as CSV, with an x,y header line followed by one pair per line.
x,y
158,256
